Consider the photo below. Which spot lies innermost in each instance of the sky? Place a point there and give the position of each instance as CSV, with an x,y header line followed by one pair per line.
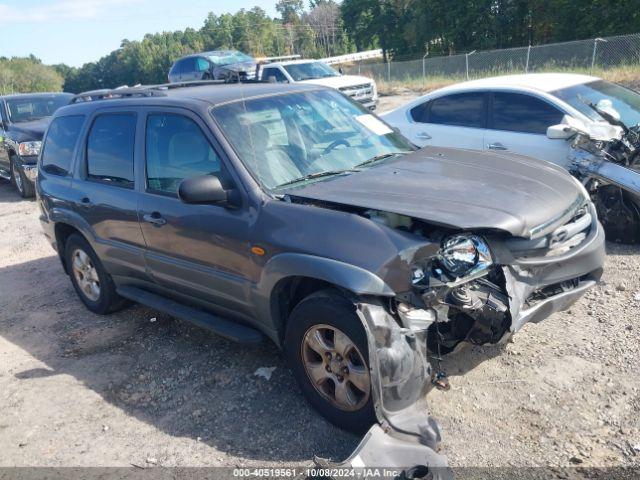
x,y
79,31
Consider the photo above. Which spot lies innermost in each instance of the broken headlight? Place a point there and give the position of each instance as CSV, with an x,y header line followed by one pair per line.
x,y
463,255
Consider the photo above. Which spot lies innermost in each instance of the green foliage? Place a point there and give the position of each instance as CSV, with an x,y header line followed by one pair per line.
x,y
19,75
402,28
315,33
412,27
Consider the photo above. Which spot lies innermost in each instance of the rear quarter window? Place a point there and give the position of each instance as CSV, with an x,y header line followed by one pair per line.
x,y
60,143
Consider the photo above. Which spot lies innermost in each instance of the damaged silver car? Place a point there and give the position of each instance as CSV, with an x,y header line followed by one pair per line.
x,y
292,212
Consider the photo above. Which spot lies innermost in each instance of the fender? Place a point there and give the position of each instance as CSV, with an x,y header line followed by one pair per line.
x,y
284,265
350,277
65,216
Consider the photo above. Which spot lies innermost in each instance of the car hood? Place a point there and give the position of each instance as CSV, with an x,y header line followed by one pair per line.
x,y
462,189
340,81
240,67
30,131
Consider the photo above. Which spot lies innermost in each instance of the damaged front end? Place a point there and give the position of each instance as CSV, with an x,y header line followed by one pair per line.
x,y
481,290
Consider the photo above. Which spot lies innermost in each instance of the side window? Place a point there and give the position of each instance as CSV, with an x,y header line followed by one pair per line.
x,y
58,148
516,112
419,113
188,65
275,73
110,149
175,70
460,109
202,64
176,149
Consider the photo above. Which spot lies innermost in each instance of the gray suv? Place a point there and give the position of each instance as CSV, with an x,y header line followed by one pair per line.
x,y
292,213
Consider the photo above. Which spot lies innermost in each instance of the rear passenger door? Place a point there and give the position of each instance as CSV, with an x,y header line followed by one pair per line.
x,y
455,120
104,194
201,251
518,123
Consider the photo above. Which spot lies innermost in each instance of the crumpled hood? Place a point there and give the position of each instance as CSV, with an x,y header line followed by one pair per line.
x,y
30,131
340,81
463,189
240,67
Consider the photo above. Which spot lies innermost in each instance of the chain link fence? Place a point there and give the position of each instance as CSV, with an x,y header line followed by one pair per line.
x,y
582,55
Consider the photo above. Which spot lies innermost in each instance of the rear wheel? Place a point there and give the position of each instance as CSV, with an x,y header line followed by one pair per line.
x,y
91,281
326,347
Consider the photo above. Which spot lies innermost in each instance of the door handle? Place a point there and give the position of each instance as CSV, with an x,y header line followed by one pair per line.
x,y
154,218
496,146
423,136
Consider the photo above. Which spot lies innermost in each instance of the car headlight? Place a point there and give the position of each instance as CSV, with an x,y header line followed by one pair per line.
x,y
463,255
28,149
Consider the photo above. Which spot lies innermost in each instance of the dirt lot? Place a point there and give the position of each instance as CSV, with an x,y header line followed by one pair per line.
x,y
140,388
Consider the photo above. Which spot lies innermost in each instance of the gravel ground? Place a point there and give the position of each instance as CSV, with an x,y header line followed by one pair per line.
x,y
141,388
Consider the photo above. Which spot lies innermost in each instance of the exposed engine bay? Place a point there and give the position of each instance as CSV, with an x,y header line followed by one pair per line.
x,y
461,294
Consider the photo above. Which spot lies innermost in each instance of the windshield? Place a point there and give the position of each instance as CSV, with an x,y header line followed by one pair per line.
x,y
309,71
28,108
229,58
625,101
288,137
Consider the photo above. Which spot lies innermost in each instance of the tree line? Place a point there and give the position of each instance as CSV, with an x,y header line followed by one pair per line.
x,y
402,28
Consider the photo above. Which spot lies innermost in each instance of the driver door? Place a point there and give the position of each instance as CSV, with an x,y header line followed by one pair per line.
x,y
201,251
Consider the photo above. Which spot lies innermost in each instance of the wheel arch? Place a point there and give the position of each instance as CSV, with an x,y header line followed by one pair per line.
x,y
290,277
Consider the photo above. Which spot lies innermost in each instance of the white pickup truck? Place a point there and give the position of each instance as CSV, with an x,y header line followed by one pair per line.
x,y
361,89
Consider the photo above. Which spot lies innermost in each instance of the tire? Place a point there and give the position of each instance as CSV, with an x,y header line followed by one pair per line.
x,y
318,315
24,186
206,76
102,300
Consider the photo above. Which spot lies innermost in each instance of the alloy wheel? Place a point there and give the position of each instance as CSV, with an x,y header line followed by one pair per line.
x,y
336,367
85,274
17,178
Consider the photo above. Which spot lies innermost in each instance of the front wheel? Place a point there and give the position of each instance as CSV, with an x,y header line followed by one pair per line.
x,y
20,181
619,213
326,347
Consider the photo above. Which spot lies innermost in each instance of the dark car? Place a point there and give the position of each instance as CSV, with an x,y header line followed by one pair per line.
x,y
23,121
214,65
291,212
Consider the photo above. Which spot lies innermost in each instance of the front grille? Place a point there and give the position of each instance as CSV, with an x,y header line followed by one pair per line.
x,y
559,241
362,93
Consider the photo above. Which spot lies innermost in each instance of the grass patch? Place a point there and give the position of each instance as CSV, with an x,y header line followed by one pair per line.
x,y
627,75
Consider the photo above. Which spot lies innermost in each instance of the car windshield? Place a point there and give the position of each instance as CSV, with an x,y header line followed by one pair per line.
x,y
310,70
229,58
302,137
625,101
29,108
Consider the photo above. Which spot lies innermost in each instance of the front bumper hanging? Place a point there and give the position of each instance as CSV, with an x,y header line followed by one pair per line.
x,y
405,441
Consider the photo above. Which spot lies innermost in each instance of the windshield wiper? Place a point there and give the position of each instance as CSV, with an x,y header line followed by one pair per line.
x,y
311,176
377,158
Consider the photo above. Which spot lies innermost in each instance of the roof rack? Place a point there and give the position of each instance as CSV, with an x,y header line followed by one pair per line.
x,y
150,90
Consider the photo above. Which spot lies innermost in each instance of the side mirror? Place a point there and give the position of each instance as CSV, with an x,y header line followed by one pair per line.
x,y
206,189
561,131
